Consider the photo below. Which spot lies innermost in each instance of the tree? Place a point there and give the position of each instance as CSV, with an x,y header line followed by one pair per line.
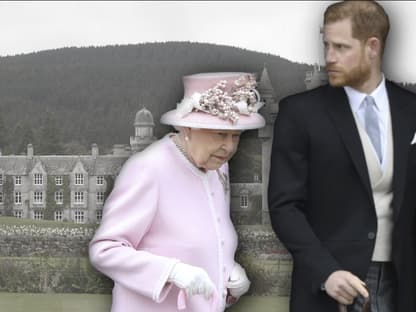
x,y
23,135
74,148
49,142
3,134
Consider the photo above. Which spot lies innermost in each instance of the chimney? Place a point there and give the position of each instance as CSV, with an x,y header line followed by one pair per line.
x,y
30,150
94,150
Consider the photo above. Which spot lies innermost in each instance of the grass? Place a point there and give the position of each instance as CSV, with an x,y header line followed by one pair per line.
x,y
261,304
18,302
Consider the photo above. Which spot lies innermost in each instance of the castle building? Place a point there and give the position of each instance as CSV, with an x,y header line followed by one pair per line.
x,y
74,187
315,77
266,135
66,187
143,125
249,199
249,204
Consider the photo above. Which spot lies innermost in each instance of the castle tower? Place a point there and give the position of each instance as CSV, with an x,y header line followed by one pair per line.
x,y
143,135
315,78
269,112
266,90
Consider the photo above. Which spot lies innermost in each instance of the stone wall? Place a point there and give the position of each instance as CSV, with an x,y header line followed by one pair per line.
x,y
267,262
51,275
55,259
260,240
30,240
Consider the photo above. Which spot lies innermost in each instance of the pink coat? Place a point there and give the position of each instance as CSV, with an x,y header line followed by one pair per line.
x,y
163,210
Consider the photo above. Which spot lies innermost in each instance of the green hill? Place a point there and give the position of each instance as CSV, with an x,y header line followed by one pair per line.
x,y
64,100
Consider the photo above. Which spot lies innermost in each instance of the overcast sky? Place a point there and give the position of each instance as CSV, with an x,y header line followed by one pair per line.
x,y
288,29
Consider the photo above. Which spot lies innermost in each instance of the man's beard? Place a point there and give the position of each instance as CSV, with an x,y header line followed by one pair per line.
x,y
354,77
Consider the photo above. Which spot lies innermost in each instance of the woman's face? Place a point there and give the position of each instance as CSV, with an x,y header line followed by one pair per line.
x,y
210,149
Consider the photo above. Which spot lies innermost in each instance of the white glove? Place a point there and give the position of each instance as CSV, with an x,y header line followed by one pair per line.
x,y
194,280
238,283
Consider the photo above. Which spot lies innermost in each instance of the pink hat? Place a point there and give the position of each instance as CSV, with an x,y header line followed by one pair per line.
x,y
226,101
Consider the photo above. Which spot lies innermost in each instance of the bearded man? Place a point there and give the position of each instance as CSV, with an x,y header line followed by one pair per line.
x,y
340,160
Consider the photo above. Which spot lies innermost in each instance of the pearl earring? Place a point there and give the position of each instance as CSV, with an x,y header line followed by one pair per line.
x,y
186,138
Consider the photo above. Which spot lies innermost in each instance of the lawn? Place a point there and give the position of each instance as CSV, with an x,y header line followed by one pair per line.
x,y
14,302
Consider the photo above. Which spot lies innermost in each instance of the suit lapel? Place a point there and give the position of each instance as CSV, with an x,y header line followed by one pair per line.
x,y
342,116
402,135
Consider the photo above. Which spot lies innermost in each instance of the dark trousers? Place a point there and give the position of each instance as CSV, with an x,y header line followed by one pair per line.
x,y
381,284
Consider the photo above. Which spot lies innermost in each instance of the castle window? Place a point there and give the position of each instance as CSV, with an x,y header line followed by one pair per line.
x,y
79,179
17,197
143,132
243,201
1,179
79,197
18,214
58,180
59,197
58,215
18,180
1,197
38,215
38,197
100,180
38,180
98,214
100,197
79,216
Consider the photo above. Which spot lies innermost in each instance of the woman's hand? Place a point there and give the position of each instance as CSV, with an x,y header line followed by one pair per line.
x,y
194,280
238,283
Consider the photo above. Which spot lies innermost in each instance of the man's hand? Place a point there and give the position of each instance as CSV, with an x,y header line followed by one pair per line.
x,y
344,287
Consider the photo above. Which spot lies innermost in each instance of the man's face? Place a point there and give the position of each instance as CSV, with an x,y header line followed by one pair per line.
x,y
346,61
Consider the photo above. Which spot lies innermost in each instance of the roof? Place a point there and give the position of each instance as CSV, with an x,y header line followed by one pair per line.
x,y
144,118
62,164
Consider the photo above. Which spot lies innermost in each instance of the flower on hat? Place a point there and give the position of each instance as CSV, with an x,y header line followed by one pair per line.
x,y
188,104
244,99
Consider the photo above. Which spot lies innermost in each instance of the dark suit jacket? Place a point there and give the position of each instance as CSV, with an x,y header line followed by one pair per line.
x,y
320,198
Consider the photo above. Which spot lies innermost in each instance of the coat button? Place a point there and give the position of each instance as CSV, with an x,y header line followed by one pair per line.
x,y
371,235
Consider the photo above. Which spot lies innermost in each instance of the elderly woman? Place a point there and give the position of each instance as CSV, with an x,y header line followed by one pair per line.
x,y
166,238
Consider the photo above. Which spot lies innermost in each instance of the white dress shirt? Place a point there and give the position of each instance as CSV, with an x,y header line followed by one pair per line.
x,y
380,96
